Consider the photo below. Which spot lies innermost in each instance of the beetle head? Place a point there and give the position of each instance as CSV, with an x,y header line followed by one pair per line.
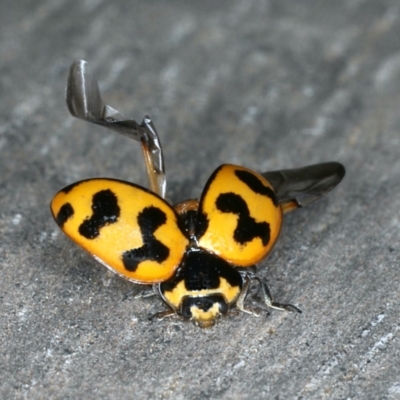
x,y
203,311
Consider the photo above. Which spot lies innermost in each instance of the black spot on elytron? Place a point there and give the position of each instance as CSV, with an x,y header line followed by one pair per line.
x,y
149,220
202,223
66,212
256,185
105,211
247,227
68,188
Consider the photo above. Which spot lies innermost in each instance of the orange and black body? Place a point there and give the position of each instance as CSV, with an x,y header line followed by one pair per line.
x,y
199,255
195,254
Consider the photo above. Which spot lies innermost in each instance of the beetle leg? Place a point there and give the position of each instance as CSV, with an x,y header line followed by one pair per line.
x,y
145,293
267,298
141,295
242,297
170,312
162,315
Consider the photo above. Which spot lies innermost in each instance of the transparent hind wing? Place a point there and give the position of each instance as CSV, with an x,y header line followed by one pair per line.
x,y
299,187
84,101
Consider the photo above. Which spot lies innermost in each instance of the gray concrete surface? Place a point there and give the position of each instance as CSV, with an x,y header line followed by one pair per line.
x,y
265,84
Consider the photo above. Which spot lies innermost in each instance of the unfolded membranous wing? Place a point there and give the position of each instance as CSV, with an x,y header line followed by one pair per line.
x,y
299,187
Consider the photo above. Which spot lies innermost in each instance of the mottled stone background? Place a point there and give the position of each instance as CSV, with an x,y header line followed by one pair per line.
x,y
265,84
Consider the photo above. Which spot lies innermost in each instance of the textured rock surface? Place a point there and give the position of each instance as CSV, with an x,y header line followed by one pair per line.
x,y
265,84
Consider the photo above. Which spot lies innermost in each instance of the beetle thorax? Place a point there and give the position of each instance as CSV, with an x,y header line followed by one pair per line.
x,y
203,288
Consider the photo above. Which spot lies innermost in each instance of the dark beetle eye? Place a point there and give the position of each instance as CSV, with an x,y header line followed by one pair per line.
x,y
186,313
223,307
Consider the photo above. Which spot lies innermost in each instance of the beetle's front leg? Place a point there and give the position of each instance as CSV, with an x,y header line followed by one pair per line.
x,y
163,314
267,298
257,311
170,312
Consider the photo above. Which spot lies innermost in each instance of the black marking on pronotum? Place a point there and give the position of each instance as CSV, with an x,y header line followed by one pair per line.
x,y
256,185
149,220
247,227
202,270
66,212
105,211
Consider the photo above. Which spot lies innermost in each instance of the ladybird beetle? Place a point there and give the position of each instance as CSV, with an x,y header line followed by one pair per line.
x,y
198,255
